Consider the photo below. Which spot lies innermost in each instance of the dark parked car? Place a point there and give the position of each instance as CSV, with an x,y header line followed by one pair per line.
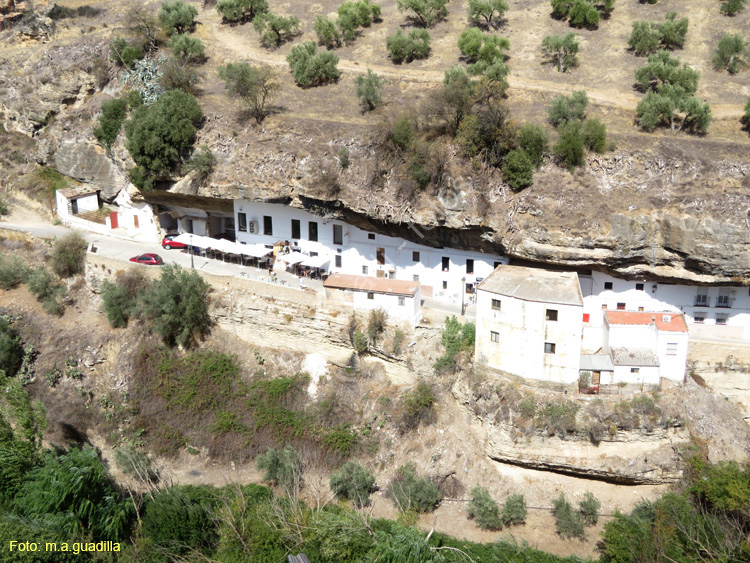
x,y
151,259
169,243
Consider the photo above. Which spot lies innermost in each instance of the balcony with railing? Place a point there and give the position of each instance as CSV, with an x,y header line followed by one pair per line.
x,y
724,301
702,301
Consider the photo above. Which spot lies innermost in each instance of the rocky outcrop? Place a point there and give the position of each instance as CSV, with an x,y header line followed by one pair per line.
x,y
638,456
89,163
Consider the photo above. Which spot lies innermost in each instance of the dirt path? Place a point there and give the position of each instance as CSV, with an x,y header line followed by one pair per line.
x,y
224,36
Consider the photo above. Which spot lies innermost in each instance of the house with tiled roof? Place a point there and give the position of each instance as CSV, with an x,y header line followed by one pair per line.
x,y
401,299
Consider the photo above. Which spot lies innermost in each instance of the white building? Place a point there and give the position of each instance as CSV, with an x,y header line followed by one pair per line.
x,y
400,299
74,201
645,347
353,251
711,311
529,323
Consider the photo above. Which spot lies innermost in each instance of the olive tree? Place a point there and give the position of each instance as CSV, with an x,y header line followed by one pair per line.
x,y
368,89
731,53
177,16
275,30
426,12
253,84
311,68
487,12
241,10
562,49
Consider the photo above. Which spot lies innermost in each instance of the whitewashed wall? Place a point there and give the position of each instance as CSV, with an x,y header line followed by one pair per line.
x,y
358,250
647,375
409,311
523,332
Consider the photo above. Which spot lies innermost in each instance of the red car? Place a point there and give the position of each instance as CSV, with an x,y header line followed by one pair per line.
x,y
169,243
151,259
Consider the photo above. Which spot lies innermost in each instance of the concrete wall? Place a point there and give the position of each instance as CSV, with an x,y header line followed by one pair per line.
x,y
672,360
648,375
359,249
88,202
523,332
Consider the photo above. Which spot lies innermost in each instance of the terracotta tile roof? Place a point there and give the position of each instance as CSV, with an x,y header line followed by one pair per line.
x,y
78,191
670,322
366,283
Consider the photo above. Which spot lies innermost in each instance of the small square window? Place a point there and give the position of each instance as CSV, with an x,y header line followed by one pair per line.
x,y
607,285
496,304
401,301
621,306
551,314
604,306
635,370
338,260
445,285
639,287
371,236
699,318
494,336
364,270
415,277
415,256
549,347
370,295
721,319
640,309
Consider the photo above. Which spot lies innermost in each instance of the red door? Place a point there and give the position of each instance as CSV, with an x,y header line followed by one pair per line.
x,y
113,219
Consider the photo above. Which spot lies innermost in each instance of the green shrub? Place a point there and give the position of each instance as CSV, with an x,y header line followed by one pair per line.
x,y
533,140
113,113
673,31
13,271
376,324
254,84
281,467
310,68
61,12
159,134
562,50
456,338
327,31
11,350
484,509
179,75
130,54
275,30
518,170
135,463
4,209
644,38
568,522
515,511
186,47
353,15
594,135
360,343
177,305
731,53
43,285
469,43
202,163
426,12
565,109
180,519
368,89
746,117
68,255
177,17
403,133
117,303
589,508
398,341
239,10
116,47
353,482
491,11
732,7
411,493
419,406
583,14
414,45
569,146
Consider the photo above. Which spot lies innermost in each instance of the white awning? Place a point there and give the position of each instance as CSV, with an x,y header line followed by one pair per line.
x,y
253,250
316,261
193,240
293,258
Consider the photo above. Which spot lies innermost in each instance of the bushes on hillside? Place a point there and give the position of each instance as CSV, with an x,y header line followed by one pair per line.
x,y
484,509
159,134
282,467
275,30
177,17
11,350
368,89
43,285
414,45
311,68
411,493
68,255
456,338
426,12
186,47
568,522
112,117
239,10
418,406
514,512
648,37
13,271
353,482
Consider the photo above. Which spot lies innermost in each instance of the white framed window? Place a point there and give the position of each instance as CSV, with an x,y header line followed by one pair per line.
x,y
242,222
701,300
496,304
494,336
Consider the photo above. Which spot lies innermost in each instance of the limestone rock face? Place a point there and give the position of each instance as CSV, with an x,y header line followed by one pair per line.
x,y
89,163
